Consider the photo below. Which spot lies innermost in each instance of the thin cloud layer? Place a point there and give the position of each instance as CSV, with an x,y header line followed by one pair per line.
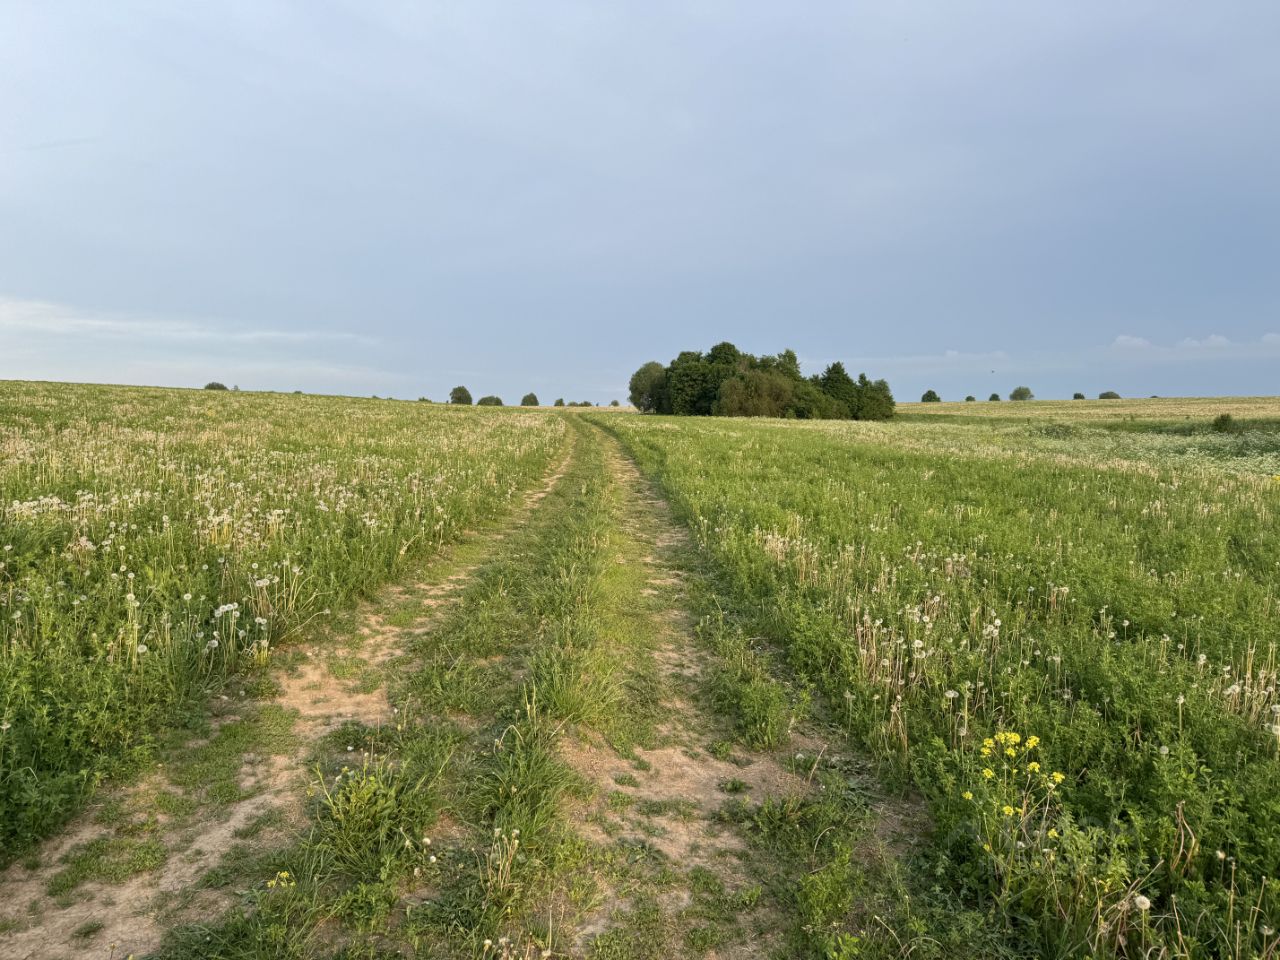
x,y
551,195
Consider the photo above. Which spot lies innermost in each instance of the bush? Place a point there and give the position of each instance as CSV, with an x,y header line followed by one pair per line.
x,y
1225,423
1108,395
970,398
529,400
1077,396
489,401
1021,393
559,402
614,403
215,385
931,396
994,398
460,396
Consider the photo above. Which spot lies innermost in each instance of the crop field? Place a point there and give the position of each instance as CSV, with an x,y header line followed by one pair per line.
x,y
295,676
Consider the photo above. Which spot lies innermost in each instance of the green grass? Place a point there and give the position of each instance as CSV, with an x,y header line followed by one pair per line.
x,y
157,542
1111,593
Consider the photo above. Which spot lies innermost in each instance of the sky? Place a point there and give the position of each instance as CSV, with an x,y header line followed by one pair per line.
x,y
394,198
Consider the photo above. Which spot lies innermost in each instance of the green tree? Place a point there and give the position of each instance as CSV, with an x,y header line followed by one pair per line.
x,y
970,398
614,403
1021,393
529,400
836,383
489,401
755,393
875,399
649,387
691,385
931,396
559,402
1108,395
215,385
994,398
1077,396
460,396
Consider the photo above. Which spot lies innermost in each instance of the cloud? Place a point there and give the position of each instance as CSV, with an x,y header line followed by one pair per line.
x,y
1271,339
43,317
1213,341
1126,342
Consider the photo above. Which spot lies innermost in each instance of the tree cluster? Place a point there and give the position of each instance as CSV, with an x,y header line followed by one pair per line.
x,y
725,382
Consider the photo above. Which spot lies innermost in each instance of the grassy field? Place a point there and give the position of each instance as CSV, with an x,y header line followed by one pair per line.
x,y
315,677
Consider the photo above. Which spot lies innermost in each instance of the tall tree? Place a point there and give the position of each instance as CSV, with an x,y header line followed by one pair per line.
x,y
839,386
649,387
460,395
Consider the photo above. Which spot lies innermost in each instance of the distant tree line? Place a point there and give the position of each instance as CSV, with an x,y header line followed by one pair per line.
x,y
725,382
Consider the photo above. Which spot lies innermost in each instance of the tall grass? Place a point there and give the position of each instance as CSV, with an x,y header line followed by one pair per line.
x,y
154,542
1071,654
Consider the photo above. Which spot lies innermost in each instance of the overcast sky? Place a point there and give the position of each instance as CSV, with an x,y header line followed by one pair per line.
x,y
393,198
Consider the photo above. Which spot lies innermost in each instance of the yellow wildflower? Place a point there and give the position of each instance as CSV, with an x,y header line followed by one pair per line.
x,y
968,794
1033,742
1057,777
1007,810
1053,833
1010,752
1033,766
988,773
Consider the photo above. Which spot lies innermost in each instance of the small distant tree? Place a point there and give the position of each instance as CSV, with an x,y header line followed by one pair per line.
x,y
1021,393
460,396
970,398
559,402
489,401
931,396
215,385
614,403
529,400
994,398
1108,395
1077,396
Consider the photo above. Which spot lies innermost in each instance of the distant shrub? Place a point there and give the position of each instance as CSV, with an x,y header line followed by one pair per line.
x,y
460,396
489,401
1225,423
995,398
1021,393
1108,395
1077,396
215,385
931,396
529,400
425,400
970,398
614,403
559,402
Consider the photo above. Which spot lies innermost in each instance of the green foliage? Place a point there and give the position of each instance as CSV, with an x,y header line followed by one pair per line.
x,y
215,385
727,382
1021,393
1077,396
528,400
1108,395
931,396
460,396
970,398
489,401
1226,423
994,398
559,402
648,388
